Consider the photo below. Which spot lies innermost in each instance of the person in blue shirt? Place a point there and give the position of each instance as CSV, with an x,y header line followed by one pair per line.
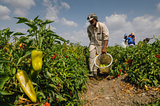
x,y
130,41
124,42
133,38
124,38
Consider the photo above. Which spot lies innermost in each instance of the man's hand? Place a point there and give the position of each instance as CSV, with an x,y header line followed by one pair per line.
x,y
104,50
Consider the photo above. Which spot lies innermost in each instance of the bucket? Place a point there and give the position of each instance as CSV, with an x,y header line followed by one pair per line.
x,y
104,59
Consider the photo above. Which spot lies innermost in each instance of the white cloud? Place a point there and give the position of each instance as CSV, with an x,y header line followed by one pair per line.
x,y
86,24
77,36
146,26
52,12
47,3
51,28
65,5
55,1
21,6
117,26
20,3
116,20
142,26
143,23
156,24
158,6
81,36
4,13
23,30
68,23
21,12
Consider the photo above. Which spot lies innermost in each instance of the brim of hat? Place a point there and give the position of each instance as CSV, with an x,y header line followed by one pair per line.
x,y
90,19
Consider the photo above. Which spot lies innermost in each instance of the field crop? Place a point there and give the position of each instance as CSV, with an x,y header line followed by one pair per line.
x,y
65,65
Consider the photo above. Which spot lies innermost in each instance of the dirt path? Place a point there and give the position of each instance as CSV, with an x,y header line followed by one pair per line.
x,y
117,92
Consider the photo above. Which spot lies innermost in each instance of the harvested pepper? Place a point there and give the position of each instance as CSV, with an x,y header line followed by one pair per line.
x,y
26,85
36,57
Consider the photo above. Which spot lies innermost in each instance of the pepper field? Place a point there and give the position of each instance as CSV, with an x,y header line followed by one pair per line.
x,y
64,71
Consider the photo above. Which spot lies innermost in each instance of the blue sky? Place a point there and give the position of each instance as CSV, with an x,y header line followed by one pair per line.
x,y
70,17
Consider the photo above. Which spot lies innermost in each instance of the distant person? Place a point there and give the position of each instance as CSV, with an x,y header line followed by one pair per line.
x,y
146,40
133,35
133,38
124,38
124,41
130,40
98,35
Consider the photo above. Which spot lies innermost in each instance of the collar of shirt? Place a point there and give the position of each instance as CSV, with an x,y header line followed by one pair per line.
x,y
97,27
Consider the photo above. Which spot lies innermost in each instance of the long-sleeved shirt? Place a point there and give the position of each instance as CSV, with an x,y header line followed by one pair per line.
x,y
130,41
97,35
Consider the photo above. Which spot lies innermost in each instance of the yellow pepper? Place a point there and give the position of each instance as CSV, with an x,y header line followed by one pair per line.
x,y
36,57
146,87
26,85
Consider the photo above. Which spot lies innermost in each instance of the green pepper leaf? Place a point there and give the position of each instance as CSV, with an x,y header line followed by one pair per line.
x,y
49,27
47,22
53,86
42,94
3,81
35,19
32,25
4,61
22,20
20,59
4,103
2,93
60,98
18,33
40,41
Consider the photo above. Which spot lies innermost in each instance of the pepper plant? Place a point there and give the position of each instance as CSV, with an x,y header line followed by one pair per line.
x,y
52,80
140,62
38,30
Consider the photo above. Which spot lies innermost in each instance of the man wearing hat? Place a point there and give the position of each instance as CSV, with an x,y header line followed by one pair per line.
x,y
98,35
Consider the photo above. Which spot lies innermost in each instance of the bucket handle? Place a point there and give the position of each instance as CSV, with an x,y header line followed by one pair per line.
x,y
105,66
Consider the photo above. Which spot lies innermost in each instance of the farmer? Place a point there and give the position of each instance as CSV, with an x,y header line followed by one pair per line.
x,y
131,39
124,41
146,40
98,35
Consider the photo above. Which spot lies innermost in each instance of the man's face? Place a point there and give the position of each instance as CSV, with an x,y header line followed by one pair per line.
x,y
93,22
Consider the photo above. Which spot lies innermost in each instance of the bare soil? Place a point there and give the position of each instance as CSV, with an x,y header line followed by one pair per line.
x,y
104,91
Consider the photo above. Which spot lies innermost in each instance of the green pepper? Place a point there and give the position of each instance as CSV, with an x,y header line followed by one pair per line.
x,y
36,57
33,74
26,85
